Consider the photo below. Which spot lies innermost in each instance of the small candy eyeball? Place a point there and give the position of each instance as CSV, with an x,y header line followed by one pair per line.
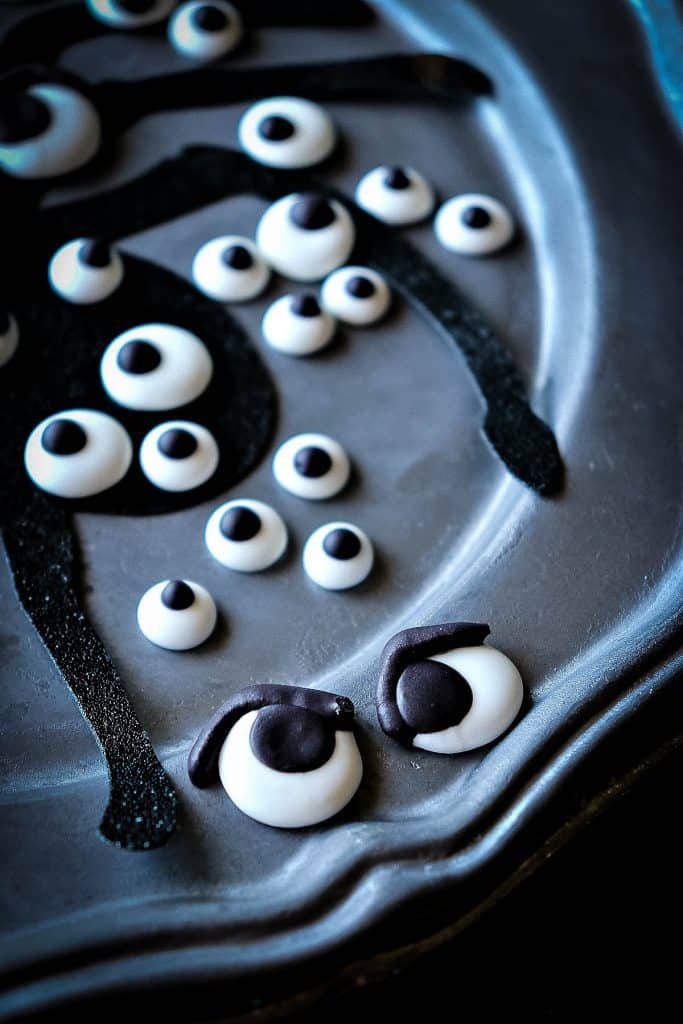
x,y
297,326
205,30
77,453
47,130
474,225
338,556
130,14
287,131
356,295
395,195
9,337
179,456
312,466
85,271
155,367
177,614
305,236
246,535
230,269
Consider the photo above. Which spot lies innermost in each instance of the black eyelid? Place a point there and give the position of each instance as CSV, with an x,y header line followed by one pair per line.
x,y
202,763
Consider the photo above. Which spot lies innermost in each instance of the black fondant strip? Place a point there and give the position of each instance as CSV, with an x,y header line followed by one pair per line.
x,y
202,764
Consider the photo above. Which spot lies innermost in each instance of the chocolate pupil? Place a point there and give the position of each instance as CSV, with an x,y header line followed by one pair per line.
x,y
95,252
23,117
396,178
287,738
305,305
360,287
177,443
238,257
177,595
312,212
240,523
63,437
208,18
275,128
341,544
432,696
476,217
138,357
312,462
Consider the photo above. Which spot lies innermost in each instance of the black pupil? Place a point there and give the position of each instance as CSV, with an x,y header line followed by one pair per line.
x,y
396,178
63,437
312,212
476,217
138,357
275,128
95,252
208,18
360,287
22,117
177,443
341,544
432,696
135,6
305,305
177,595
238,257
312,462
240,523
287,738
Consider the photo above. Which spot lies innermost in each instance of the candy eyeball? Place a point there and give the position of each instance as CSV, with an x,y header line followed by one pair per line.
x,y
287,132
85,271
474,225
246,535
205,30
77,453
356,295
177,614
338,556
312,466
155,367
297,326
395,195
230,269
47,130
179,456
130,14
305,236
9,337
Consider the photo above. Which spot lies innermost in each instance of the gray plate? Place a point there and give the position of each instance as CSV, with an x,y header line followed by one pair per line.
x,y
581,591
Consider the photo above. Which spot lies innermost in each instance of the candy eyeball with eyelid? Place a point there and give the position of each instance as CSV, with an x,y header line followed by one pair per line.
x,y
204,30
297,326
395,195
177,614
474,225
287,132
130,14
9,337
230,269
85,271
305,236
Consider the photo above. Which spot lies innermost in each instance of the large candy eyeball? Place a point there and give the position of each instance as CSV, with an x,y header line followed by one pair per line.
x,y
128,14
86,270
246,535
47,130
230,269
338,556
473,225
288,767
179,456
356,295
287,132
78,453
312,466
395,195
177,614
297,326
9,337
205,31
305,236
155,367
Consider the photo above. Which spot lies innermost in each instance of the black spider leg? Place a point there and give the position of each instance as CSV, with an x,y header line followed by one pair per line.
x,y
42,552
202,175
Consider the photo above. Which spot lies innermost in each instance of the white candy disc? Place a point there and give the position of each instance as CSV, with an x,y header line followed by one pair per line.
x,y
287,799
177,614
78,453
473,225
246,535
129,14
287,132
205,30
395,195
9,338
85,271
356,295
338,556
179,456
46,131
230,269
305,236
497,693
311,466
155,367
296,325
